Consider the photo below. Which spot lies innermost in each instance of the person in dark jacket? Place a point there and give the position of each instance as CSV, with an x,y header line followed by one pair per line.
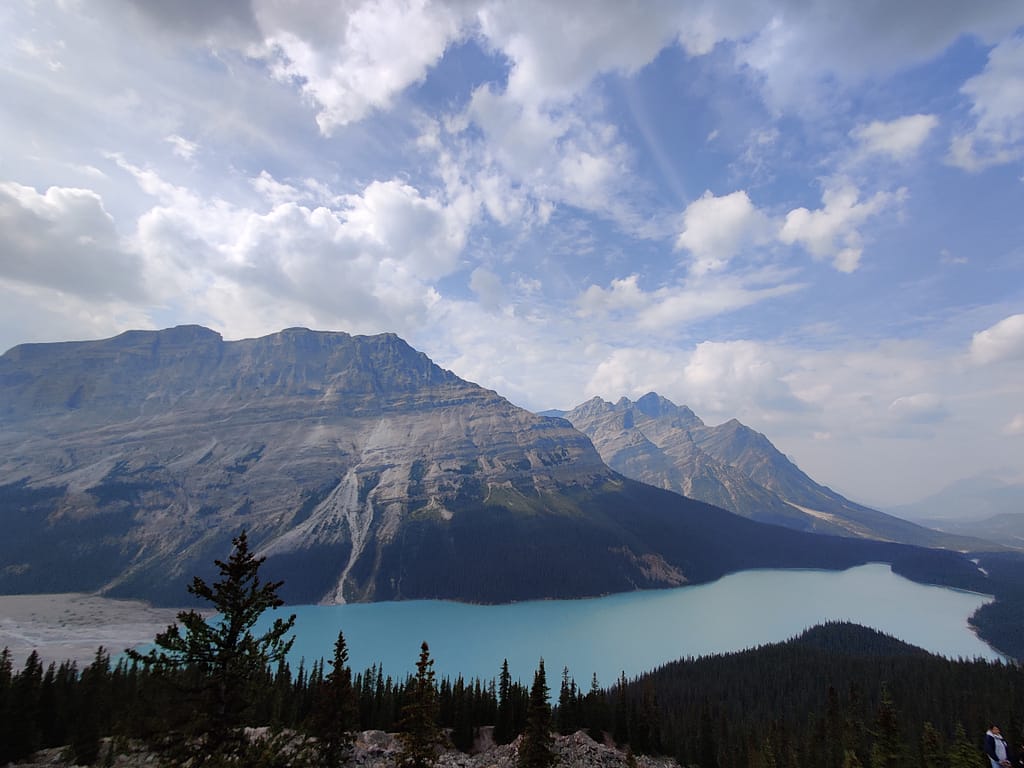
x,y
995,748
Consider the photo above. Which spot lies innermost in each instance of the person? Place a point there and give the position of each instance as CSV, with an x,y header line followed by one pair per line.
x,y
995,748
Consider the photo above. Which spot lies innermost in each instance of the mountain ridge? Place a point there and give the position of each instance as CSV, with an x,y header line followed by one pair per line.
x,y
655,441
361,469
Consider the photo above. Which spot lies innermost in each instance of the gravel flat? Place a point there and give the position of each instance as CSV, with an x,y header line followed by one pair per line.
x,y
74,625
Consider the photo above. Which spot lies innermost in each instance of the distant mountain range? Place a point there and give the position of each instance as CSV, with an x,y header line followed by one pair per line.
x,y
657,442
365,472
987,507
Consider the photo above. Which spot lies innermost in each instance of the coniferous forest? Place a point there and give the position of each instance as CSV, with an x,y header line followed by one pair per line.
x,y
837,696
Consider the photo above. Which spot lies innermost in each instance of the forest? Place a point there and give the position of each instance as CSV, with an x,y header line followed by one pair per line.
x,y
837,696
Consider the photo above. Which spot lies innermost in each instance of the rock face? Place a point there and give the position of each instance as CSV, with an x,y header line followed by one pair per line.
x,y
358,467
655,441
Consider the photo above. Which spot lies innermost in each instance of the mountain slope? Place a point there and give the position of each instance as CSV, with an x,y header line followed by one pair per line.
x,y
657,442
360,469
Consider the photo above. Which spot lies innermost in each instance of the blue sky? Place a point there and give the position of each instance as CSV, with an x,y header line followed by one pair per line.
x,y
806,215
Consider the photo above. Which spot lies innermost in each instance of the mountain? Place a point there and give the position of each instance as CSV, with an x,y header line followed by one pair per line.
x,y
967,500
360,469
657,442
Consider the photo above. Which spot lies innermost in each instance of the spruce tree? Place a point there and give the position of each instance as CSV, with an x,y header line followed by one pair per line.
x,y
25,736
504,727
421,735
933,753
220,664
6,704
93,709
962,752
335,715
888,750
536,749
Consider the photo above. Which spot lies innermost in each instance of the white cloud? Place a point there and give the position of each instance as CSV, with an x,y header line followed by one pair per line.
x,y
997,97
549,153
715,229
64,239
1003,341
556,49
803,53
368,265
353,58
1015,426
920,408
899,139
833,231
182,147
670,307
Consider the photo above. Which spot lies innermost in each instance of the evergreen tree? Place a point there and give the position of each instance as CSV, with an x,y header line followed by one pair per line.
x,y
504,727
220,664
567,716
620,715
536,749
335,715
93,710
888,750
6,704
962,753
596,711
420,732
933,753
26,687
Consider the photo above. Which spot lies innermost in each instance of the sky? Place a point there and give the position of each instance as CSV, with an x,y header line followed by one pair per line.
x,y
804,214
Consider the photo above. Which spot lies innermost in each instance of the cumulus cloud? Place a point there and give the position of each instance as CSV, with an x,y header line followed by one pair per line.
x,y
368,264
899,139
833,231
64,239
556,49
997,107
1003,341
550,153
715,229
353,58
719,379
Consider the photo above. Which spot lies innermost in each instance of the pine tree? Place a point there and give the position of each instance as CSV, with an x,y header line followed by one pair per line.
x,y
620,715
6,704
596,711
504,727
93,705
962,753
888,750
420,732
335,715
25,737
933,753
567,716
221,663
536,750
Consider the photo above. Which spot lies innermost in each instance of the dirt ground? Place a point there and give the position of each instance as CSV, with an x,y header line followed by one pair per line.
x,y
72,626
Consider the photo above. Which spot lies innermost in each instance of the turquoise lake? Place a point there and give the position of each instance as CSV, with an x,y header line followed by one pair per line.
x,y
638,631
